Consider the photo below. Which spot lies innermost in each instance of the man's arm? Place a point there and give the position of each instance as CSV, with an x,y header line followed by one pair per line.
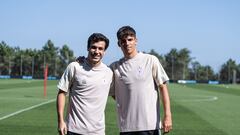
x,y
112,87
167,118
61,97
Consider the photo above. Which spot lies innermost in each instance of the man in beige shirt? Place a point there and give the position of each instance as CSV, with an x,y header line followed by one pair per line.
x,y
87,84
138,79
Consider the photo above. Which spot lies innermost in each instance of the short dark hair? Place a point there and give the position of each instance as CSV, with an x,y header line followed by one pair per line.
x,y
125,31
96,37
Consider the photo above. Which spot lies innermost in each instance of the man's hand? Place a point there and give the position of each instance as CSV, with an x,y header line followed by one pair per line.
x,y
80,59
62,128
167,124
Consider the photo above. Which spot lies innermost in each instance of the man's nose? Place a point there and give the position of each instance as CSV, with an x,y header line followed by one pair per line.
x,y
125,42
97,50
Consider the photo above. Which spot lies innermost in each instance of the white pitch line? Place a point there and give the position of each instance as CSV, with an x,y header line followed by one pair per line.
x,y
200,99
26,109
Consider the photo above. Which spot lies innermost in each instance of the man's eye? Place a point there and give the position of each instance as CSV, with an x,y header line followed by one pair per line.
x,y
93,47
100,48
125,40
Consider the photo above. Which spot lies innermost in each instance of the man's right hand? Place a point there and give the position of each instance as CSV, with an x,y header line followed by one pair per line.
x,y
62,128
80,59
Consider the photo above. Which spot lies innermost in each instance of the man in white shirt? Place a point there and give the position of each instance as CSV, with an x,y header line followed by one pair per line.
x,y
87,84
138,79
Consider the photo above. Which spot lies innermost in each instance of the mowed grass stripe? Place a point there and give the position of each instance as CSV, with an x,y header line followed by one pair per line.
x,y
216,88
187,122
111,118
24,84
222,113
27,90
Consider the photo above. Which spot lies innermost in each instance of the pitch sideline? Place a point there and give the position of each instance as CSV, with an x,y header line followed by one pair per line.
x,y
27,109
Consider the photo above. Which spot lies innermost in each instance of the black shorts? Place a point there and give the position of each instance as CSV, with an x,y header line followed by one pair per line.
x,y
147,132
71,133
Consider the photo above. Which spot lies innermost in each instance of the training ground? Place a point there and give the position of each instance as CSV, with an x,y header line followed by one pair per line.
x,y
197,109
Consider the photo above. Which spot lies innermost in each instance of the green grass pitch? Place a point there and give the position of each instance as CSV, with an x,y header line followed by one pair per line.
x,y
197,109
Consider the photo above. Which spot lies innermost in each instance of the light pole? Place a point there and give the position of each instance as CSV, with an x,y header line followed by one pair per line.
x,y
21,65
32,66
9,66
229,73
172,66
183,73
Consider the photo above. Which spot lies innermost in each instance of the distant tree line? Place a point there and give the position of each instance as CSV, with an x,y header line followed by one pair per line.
x,y
178,64
18,62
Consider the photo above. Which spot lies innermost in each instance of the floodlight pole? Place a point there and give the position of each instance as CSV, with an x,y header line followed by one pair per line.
x,y
9,66
21,65
55,66
195,74
234,76
183,75
229,73
207,72
44,61
32,66
172,65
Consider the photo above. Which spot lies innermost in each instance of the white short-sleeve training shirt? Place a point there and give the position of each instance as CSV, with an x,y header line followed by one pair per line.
x,y
88,89
136,92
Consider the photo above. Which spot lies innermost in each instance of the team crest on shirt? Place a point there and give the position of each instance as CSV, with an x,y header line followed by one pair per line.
x,y
139,71
84,81
104,81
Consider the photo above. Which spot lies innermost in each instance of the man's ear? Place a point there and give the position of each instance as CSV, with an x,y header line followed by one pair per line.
x,y
118,44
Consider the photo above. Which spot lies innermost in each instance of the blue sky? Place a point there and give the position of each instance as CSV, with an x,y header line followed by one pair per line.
x,y
210,29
